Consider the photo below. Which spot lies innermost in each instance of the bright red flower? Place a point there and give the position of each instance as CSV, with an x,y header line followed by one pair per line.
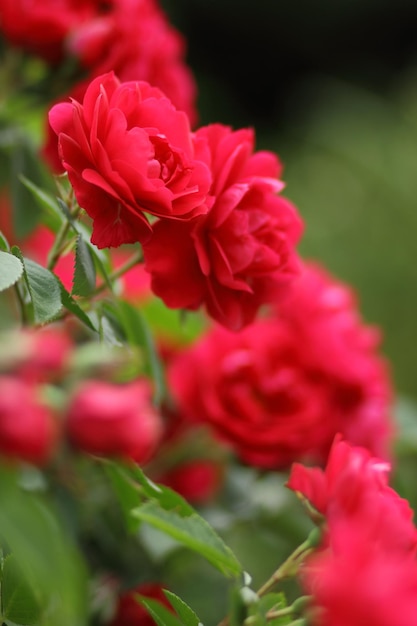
x,y
129,612
354,496
27,429
196,481
239,255
43,355
114,420
127,151
134,39
40,26
365,572
282,388
361,585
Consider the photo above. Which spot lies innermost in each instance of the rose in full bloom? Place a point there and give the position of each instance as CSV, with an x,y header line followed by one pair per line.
x,y
129,612
281,389
241,254
106,419
27,429
128,151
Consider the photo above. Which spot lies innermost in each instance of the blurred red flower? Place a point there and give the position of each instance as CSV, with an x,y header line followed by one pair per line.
x,y
282,388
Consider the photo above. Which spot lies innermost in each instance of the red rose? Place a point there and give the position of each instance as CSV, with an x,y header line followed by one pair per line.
x,y
43,355
40,26
129,612
27,430
354,496
367,557
128,150
282,388
114,420
196,481
239,255
361,585
134,39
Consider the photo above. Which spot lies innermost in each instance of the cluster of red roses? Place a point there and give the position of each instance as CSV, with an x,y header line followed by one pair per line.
x,y
206,209
223,237
365,571
131,37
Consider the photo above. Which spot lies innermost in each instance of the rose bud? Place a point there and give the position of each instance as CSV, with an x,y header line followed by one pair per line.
x,y
26,425
114,420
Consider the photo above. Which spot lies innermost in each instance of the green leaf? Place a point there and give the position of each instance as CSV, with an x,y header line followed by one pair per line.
x,y
71,305
184,612
19,600
11,270
138,333
126,491
43,287
271,601
166,497
193,532
184,326
4,244
45,552
25,214
161,615
46,202
85,272
168,512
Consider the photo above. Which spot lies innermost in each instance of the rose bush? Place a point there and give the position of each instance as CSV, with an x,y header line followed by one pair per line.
x,y
241,254
283,387
127,151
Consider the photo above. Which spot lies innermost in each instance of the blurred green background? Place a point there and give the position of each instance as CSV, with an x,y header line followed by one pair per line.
x,y
332,88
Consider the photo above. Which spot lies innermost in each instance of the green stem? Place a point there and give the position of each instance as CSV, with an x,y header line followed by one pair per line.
x,y
290,566
59,244
288,610
131,262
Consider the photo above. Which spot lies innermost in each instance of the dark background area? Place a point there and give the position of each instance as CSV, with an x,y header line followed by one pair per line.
x,y
331,86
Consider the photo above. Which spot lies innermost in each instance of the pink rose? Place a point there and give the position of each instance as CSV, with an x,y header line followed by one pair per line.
x,y
283,387
127,151
114,420
27,429
241,254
